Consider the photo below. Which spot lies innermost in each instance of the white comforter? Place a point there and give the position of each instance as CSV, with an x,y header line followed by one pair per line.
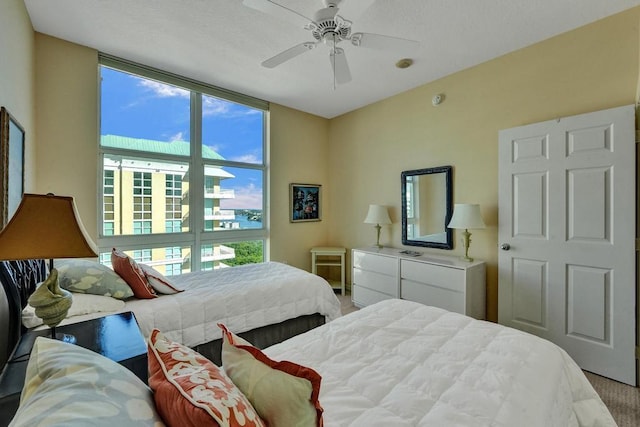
x,y
399,363
243,298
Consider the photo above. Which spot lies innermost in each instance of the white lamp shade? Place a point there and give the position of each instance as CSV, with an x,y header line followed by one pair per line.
x,y
377,214
466,216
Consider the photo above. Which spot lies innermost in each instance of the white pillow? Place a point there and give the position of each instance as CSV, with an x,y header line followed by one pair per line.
x,y
67,385
158,281
82,304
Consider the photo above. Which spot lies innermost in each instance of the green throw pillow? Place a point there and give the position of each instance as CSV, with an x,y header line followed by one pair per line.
x,y
90,277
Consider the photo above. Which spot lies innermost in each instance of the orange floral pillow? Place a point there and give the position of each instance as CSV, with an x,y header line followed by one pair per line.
x,y
283,393
189,390
130,271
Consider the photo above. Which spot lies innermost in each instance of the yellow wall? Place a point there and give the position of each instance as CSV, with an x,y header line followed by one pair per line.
x,y
588,69
17,77
67,124
299,154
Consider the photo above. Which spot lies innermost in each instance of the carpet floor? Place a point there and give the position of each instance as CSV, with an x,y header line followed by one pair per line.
x,y
622,400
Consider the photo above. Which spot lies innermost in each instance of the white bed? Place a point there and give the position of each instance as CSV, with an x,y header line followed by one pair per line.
x,y
247,297
270,301
399,363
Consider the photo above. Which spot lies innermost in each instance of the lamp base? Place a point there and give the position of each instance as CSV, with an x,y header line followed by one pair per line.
x,y
378,245
466,242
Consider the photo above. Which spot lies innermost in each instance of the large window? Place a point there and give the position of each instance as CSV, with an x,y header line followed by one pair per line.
x,y
183,170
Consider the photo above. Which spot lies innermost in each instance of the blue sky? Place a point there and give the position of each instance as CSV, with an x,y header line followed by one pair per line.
x,y
140,108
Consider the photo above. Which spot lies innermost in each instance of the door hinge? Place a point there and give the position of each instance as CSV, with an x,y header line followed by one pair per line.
x,y
638,352
637,244
637,136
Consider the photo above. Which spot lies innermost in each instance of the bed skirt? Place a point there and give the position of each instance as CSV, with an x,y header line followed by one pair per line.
x,y
265,336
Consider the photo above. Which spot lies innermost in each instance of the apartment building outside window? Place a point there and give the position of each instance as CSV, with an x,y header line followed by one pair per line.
x,y
142,203
108,214
183,170
173,206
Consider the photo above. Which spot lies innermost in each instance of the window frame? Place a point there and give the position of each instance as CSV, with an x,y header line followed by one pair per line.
x,y
196,236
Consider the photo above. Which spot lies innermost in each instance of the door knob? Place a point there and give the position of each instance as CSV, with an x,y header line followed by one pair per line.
x,y
505,246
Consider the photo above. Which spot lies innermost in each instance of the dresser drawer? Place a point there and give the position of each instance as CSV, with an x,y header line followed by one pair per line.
x,y
431,295
435,275
378,263
375,281
363,297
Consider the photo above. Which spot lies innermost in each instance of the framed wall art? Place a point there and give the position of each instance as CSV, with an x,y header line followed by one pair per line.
x,y
12,161
304,202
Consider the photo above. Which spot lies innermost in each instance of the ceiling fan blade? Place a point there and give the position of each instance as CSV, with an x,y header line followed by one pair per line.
x,y
341,71
379,41
274,9
354,8
288,54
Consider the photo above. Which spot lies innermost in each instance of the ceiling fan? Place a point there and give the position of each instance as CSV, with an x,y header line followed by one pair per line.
x,y
331,29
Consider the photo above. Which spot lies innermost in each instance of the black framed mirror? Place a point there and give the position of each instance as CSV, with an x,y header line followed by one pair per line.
x,y
427,206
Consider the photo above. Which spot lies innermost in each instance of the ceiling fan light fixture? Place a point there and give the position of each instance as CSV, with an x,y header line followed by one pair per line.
x,y
404,63
330,29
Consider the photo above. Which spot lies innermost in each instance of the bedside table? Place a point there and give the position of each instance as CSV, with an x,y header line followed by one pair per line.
x,y
116,336
329,257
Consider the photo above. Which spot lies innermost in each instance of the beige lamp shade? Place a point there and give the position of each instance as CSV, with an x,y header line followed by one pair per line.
x,y
45,226
466,216
377,214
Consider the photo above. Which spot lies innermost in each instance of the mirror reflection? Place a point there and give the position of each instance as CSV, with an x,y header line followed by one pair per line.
x,y
427,207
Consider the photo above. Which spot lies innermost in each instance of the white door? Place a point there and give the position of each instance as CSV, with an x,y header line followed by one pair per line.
x,y
566,264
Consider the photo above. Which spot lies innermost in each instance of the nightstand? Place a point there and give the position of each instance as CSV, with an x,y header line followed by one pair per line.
x,y
329,257
116,337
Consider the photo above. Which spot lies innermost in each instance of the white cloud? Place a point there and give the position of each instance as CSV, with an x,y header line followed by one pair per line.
x,y
217,107
177,137
164,90
247,158
211,106
214,107
248,197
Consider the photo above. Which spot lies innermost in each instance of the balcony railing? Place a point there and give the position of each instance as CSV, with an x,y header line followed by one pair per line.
x,y
228,214
224,252
210,193
165,261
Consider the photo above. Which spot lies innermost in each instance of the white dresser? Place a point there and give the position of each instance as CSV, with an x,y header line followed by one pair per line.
x,y
439,280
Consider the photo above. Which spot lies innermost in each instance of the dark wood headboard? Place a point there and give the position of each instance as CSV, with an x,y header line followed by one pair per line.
x,y
18,279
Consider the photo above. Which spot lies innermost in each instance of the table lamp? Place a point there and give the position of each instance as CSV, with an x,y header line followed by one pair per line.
x,y
47,226
466,216
377,215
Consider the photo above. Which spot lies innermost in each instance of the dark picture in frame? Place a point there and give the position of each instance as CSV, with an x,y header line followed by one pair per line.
x,y
12,171
304,202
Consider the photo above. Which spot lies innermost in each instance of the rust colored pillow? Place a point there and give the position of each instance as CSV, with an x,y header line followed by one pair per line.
x,y
130,271
283,393
189,390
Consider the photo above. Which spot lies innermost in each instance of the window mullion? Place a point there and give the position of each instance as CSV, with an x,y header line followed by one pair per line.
x,y
196,181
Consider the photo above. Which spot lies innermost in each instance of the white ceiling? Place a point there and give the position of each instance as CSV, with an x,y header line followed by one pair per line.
x,y
223,42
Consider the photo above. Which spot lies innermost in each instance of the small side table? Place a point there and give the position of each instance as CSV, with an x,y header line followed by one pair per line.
x,y
329,257
115,336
